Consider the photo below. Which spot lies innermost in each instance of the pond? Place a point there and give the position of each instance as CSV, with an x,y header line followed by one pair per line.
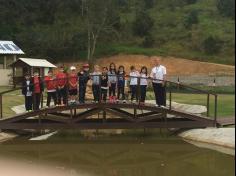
x,y
122,156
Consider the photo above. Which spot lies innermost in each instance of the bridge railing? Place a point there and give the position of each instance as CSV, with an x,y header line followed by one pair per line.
x,y
171,89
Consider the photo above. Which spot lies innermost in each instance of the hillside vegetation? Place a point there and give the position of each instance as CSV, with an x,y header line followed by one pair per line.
x,y
78,29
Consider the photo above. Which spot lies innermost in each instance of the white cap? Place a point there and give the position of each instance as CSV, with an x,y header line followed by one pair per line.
x,y
72,68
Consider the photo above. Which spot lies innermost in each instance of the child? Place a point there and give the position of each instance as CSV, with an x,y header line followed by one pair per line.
x,y
112,81
104,84
134,83
38,90
51,88
121,83
27,91
83,80
73,80
61,87
143,84
96,76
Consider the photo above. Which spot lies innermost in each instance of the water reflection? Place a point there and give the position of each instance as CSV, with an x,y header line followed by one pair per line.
x,y
125,158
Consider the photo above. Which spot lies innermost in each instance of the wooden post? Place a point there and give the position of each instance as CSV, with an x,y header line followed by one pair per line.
x,y
5,62
208,105
216,109
1,108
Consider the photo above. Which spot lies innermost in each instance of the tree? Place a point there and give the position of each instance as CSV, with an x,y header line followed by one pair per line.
x,y
226,8
142,24
101,18
191,19
212,45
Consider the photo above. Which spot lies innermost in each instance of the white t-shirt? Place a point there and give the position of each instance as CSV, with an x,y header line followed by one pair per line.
x,y
143,82
159,73
134,81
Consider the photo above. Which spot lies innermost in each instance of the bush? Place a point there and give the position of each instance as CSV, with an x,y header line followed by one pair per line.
x,y
212,45
191,19
142,24
226,8
148,41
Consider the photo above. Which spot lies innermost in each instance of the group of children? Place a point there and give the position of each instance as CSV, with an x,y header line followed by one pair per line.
x,y
63,86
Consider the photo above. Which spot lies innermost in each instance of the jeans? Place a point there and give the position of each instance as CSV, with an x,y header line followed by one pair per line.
x,y
82,93
134,89
121,92
28,103
96,92
160,94
143,92
112,89
51,95
104,94
36,101
62,94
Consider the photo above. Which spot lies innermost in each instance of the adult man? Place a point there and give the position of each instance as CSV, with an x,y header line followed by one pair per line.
x,y
159,73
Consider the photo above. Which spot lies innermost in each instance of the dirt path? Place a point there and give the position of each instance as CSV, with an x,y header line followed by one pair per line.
x,y
175,66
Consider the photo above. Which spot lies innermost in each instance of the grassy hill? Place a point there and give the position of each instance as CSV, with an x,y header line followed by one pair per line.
x,y
201,30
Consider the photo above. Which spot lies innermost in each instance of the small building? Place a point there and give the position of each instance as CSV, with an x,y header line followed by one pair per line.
x,y
9,52
29,65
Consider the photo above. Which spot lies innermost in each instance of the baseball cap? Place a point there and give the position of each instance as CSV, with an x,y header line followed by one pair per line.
x,y
86,65
72,68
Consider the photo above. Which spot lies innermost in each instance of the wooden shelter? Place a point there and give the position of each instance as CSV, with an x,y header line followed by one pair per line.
x,y
29,65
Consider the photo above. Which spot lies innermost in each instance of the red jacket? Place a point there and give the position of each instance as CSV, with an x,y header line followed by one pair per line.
x,y
51,83
61,79
73,81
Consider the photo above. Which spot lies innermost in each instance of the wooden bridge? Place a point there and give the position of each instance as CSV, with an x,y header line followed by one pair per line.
x,y
112,115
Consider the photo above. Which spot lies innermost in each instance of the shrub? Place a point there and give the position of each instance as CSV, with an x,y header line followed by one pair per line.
x,y
212,45
226,8
191,19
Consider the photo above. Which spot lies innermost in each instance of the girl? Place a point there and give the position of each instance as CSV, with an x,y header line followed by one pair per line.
x,y
104,84
27,91
51,88
112,81
134,74
143,84
121,83
95,76
73,80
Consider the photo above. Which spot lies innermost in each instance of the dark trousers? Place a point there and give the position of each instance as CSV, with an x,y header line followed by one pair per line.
x,y
36,101
160,94
104,94
62,94
134,90
51,95
112,90
96,92
121,92
28,103
143,92
82,93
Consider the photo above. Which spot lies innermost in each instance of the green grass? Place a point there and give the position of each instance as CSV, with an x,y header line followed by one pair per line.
x,y
226,103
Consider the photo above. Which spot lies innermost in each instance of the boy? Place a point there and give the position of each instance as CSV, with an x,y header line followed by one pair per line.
x,y
73,80
104,84
83,81
27,91
38,90
96,76
51,85
61,87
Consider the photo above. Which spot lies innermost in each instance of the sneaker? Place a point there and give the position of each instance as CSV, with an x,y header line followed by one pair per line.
x,y
163,106
110,99
124,101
